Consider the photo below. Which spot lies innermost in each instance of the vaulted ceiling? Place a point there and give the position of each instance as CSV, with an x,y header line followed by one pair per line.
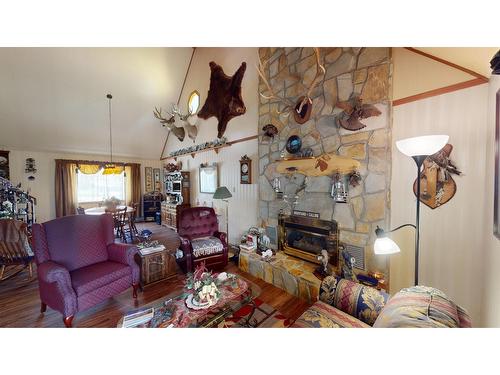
x,y
54,99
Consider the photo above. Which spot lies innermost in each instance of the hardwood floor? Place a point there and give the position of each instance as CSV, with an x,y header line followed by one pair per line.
x,y
20,302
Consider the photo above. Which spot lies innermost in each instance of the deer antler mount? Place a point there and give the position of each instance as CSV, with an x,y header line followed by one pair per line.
x,y
302,108
169,123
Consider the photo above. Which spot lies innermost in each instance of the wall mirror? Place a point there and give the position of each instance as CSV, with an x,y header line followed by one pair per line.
x,y
194,102
209,181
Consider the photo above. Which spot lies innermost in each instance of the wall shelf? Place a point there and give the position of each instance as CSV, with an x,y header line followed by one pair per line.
x,y
216,149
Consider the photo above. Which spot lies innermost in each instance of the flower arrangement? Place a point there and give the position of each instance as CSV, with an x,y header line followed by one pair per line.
x,y
205,285
111,203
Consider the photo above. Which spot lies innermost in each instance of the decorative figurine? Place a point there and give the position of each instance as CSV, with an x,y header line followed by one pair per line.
x,y
323,270
347,264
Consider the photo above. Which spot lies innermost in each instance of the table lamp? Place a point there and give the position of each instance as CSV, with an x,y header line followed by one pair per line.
x,y
418,148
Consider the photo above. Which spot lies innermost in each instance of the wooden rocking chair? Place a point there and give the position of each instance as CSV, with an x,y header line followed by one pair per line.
x,y
15,250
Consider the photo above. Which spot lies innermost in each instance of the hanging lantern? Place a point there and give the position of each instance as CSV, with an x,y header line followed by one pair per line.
x,y
277,188
339,191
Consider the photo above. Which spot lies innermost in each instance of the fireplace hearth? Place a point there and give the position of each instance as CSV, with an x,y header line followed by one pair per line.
x,y
305,238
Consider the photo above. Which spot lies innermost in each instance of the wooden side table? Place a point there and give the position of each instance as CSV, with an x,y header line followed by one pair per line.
x,y
156,267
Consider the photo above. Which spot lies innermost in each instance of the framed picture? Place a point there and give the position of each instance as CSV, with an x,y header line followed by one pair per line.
x,y
496,226
148,179
156,179
4,164
209,180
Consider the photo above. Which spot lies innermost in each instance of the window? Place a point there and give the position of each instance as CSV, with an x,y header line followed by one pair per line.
x,y
97,187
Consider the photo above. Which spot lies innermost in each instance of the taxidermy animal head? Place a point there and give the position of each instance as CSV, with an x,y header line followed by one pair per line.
x,y
303,106
224,99
354,110
189,121
169,123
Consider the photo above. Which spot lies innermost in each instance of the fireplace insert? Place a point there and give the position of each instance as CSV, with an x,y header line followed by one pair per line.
x,y
306,237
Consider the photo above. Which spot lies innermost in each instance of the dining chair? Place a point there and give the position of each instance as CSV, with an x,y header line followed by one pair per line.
x,y
120,216
132,229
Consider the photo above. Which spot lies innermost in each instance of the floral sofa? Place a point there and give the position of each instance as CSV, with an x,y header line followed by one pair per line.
x,y
346,304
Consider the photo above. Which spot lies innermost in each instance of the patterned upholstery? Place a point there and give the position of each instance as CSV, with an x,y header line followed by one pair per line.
x,y
206,246
348,304
200,223
95,276
423,307
362,302
322,315
78,263
83,235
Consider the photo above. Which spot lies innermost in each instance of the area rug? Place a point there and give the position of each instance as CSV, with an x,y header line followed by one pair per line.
x,y
265,316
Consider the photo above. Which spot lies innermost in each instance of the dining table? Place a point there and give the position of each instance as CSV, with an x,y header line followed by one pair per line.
x,y
102,210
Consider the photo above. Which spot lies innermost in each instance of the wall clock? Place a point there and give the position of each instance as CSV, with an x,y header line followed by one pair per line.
x,y
245,170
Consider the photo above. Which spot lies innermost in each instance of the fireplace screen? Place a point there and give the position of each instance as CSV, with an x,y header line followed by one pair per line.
x,y
306,237
306,241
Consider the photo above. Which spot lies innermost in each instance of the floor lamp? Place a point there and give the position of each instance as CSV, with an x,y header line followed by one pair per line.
x,y
418,148
222,193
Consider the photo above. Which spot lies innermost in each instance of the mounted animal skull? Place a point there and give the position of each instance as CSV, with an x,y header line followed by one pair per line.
x,y
169,123
303,106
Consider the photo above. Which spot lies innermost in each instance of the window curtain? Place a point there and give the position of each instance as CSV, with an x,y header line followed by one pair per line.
x,y
133,187
65,188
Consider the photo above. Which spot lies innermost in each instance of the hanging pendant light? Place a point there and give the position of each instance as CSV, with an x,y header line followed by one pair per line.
x,y
111,168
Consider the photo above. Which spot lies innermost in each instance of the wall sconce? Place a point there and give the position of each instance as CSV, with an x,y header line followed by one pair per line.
x,y
339,191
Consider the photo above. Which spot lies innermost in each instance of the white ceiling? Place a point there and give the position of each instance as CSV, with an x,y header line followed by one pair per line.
x,y
54,99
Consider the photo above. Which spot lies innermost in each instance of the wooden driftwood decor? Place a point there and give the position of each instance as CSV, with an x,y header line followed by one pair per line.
x,y
437,185
224,99
324,165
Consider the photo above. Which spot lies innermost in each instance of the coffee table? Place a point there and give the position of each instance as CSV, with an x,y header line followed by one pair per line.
x,y
171,310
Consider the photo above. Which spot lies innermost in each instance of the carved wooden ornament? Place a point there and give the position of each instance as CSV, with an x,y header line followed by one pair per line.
x,y
355,110
224,99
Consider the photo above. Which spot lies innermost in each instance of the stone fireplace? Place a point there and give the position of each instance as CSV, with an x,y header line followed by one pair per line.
x,y
363,72
305,238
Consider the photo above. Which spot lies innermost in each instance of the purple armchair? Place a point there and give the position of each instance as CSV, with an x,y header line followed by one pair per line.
x,y
79,265
201,240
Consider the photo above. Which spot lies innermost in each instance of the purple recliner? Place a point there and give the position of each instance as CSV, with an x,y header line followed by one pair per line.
x,y
79,265
201,241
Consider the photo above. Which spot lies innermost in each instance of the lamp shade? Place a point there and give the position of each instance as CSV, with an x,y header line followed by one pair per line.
x,y
384,246
222,193
424,145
